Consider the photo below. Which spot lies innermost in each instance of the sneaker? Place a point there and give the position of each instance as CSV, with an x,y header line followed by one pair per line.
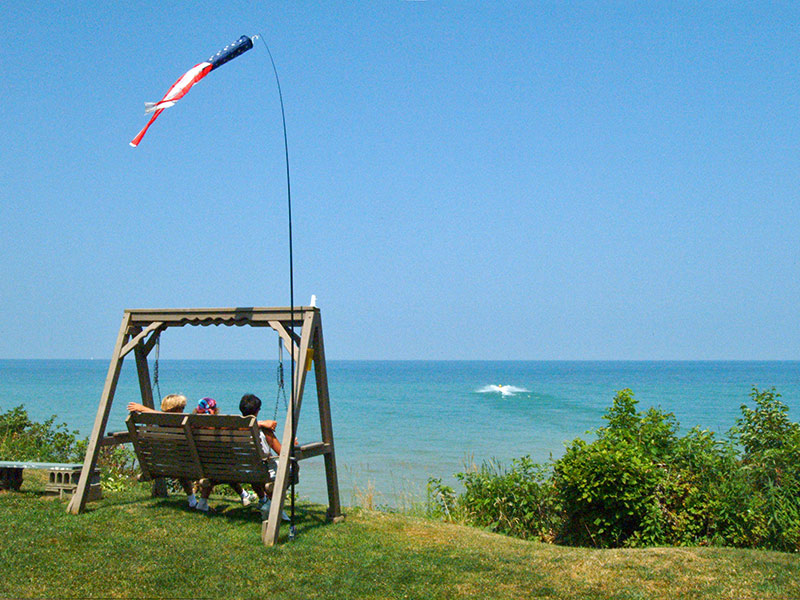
x,y
265,506
202,505
192,501
249,499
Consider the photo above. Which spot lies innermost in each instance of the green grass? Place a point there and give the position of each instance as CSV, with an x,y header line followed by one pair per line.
x,y
131,546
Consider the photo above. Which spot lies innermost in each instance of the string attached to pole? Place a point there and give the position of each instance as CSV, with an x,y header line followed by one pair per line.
x,y
291,276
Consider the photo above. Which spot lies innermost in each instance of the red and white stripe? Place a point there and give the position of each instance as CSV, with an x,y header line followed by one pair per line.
x,y
175,93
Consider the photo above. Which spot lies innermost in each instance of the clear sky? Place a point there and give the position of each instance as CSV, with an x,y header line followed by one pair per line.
x,y
470,180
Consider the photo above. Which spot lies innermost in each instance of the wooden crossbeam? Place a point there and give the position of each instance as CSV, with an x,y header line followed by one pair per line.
x,y
139,337
289,338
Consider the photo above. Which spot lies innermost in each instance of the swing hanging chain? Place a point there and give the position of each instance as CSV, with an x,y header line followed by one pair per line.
x,y
155,367
281,384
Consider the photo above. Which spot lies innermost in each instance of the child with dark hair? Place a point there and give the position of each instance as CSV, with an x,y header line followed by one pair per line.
x,y
250,405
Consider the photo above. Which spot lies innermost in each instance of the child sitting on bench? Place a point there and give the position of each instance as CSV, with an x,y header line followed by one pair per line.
x,y
250,405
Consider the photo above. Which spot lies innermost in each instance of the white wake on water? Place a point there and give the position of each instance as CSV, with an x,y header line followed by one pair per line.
x,y
505,390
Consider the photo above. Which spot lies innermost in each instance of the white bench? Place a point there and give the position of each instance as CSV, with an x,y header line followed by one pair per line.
x,y
62,478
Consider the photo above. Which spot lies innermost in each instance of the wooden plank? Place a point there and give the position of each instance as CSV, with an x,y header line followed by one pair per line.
x,y
138,337
159,487
116,438
325,423
137,447
143,373
159,418
227,436
151,342
252,316
313,449
187,430
289,337
214,422
27,464
78,502
246,475
210,451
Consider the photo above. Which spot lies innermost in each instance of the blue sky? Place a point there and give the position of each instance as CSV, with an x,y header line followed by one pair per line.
x,y
469,180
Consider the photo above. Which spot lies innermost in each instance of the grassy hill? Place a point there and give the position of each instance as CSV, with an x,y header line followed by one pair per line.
x,y
131,546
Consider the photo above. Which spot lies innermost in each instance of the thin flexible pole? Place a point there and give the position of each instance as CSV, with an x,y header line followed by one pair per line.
x,y
291,269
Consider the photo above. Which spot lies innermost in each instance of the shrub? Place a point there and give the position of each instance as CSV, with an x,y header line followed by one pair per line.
x,y
641,484
23,439
620,489
517,501
606,490
770,465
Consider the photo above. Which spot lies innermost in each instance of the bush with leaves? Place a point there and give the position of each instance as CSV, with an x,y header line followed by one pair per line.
x,y
640,483
23,439
770,465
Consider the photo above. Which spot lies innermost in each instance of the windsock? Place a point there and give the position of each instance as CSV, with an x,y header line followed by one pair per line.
x,y
188,79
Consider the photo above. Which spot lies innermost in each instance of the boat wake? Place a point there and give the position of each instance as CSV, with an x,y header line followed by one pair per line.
x,y
505,390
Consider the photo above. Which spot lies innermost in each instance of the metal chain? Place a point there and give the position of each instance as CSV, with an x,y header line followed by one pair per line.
x,y
281,384
155,367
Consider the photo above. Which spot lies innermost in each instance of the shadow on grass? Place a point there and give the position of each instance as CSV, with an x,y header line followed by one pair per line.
x,y
308,517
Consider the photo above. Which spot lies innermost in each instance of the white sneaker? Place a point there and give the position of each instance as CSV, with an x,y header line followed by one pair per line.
x,y
192,501
284,516
249,499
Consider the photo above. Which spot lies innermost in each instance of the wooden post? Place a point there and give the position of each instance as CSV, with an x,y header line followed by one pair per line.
x,y
325,423
159,487
270,528
78,502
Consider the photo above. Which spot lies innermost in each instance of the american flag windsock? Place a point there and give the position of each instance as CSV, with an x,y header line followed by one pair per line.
x,y
188,79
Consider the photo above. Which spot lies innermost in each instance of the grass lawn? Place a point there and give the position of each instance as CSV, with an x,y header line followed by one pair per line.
x,y
131,546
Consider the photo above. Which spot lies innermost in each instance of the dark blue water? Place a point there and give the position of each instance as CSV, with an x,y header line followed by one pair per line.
x,y
397,423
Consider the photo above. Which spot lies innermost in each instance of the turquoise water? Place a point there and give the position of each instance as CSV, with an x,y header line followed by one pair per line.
x,y
398,423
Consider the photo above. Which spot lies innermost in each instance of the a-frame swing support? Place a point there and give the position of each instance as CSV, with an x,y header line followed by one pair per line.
x,y
138,333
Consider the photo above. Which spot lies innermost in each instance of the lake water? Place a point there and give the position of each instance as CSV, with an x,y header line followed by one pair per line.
x,y
397,423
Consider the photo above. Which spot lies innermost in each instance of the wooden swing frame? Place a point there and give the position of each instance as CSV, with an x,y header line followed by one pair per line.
x,y
139,332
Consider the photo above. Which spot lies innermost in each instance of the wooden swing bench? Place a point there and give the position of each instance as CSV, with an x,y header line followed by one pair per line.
x,y
224,449
221,448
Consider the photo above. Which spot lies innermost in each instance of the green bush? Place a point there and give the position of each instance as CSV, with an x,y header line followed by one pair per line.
x,y
640,483
23,439
770,466
612,488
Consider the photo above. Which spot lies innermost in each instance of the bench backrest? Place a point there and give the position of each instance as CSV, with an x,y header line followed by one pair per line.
x,y
222,448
